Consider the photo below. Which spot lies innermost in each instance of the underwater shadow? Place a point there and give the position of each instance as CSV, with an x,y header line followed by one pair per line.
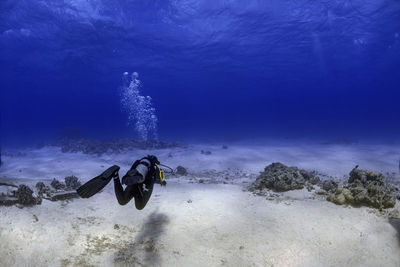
x,y
143,250
396,225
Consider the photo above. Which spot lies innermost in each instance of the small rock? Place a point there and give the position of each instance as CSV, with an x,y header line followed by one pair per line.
x,y
42,189
57,184
393,214
189,201
25,196
40,186
8,200
206,152
181,170
309,187
329,185
341,196
63,195
321,192
72,182
314,180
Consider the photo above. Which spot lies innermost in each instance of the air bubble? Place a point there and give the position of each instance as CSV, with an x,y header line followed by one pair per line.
x,y
139,109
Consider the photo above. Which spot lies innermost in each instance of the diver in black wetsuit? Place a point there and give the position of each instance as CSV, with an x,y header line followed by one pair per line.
x,y
139,181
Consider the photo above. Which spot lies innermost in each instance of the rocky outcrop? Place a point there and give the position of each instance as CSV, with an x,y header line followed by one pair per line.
x,y
365,188
279,177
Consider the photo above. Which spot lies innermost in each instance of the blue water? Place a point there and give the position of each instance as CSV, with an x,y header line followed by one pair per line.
x,y
222,70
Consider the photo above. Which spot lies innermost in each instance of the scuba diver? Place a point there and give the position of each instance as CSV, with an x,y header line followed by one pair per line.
x,y
139,181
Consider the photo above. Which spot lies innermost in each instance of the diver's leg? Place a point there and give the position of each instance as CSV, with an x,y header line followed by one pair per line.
x,y
143,195
123,196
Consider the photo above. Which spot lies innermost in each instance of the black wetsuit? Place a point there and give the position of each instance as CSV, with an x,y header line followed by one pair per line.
x,y
141,192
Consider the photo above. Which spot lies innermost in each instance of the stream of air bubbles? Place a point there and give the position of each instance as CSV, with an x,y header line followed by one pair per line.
x,y
139,109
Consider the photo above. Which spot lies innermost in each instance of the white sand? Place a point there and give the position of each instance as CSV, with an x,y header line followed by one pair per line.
x,y
198,224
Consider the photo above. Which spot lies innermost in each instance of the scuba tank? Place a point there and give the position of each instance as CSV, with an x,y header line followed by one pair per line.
x,y
147,166
143,168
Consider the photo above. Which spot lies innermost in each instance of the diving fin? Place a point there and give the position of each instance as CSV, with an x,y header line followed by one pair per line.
x,y
94,185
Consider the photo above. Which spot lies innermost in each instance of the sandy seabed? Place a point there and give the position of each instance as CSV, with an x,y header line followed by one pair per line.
x,y
199,224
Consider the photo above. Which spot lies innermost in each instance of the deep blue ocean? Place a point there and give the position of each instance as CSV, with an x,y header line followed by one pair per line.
x,y
215,70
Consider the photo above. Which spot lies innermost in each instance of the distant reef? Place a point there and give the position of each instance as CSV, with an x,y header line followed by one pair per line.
x,y
88,146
